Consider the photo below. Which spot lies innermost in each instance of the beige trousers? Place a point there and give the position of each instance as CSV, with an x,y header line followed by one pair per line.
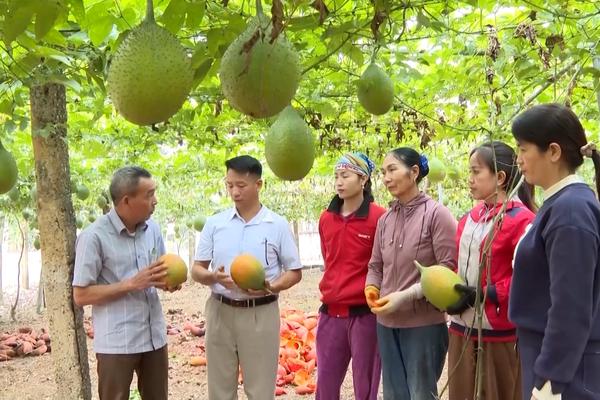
x,y
241,337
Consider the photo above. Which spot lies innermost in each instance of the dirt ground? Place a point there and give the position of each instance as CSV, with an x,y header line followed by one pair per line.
x,y
33,378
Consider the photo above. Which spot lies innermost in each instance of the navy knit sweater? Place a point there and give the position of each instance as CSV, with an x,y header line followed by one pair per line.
x,y
556,282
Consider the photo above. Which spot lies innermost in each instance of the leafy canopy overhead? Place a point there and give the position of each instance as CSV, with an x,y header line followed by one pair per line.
x,y
461,69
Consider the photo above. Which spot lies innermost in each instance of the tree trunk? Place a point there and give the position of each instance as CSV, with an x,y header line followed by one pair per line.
x,y
56,222
41,300
25,261
2,218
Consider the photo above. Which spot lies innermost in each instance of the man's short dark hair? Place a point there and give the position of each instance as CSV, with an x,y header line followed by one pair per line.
x,y
125,181
245,165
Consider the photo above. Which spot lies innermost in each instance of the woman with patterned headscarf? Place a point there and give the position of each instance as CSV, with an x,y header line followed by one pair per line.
x,y
347,328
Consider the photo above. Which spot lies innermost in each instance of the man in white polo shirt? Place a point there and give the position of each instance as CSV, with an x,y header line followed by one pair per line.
x,y
243,326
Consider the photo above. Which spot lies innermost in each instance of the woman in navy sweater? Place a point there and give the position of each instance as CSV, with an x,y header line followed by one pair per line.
x,y
555,292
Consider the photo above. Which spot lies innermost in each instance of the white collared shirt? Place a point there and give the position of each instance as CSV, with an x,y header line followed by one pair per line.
x,y
267,237
563,183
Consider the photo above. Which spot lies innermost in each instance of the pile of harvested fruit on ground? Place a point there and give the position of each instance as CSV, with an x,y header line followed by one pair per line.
x,y
24,342
297,350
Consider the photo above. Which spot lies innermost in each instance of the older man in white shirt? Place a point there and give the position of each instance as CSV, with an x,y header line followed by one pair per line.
x,y
243,326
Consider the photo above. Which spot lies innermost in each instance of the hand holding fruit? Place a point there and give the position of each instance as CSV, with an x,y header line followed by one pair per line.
x,y
268,290
153,275
223,279
396,300
249,275
438,285
177,272
468,295
173,289
372,295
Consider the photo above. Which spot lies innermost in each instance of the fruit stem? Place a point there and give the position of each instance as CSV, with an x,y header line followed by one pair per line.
x,y
418,265
149,11
374,53
259,9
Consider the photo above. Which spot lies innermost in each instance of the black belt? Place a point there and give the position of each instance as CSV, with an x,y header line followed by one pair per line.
x,y
350,311
487,333
246,303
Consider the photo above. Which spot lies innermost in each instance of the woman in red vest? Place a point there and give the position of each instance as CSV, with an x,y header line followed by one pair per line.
x,y
493,173
347,328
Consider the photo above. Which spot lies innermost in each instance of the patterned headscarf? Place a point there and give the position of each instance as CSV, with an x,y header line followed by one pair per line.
x,y
357,163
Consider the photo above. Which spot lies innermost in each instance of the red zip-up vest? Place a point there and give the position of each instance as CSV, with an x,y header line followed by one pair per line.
x,y
473,230
346,245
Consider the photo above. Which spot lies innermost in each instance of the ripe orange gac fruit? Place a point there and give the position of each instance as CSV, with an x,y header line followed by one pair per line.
x,y
247,272
176,270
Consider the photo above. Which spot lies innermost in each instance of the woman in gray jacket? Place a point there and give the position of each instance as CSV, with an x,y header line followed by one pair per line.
x,y
412,334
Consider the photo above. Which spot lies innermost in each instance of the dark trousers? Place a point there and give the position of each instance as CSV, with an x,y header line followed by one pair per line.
x,y
412,360
501,369
115,372
585,384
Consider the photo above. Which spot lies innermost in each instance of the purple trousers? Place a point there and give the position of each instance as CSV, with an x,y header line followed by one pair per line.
x,y
340,340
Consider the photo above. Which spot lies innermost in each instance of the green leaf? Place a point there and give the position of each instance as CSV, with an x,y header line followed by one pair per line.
x,y
302,23
6,107
354,54
55,38
100,28
77,9
46,14
62,58
128,18
523,68
94,149
77,39
70,83
326,109
422,20
438,26
49,52
27,41
214,38
236,25
24,124
9,126
199,55
174,15
99,81
28,63
202,70
595,72
17,19
195,13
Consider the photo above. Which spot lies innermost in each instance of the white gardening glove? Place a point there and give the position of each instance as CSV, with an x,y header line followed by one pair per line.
x,y
545,393
396,300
